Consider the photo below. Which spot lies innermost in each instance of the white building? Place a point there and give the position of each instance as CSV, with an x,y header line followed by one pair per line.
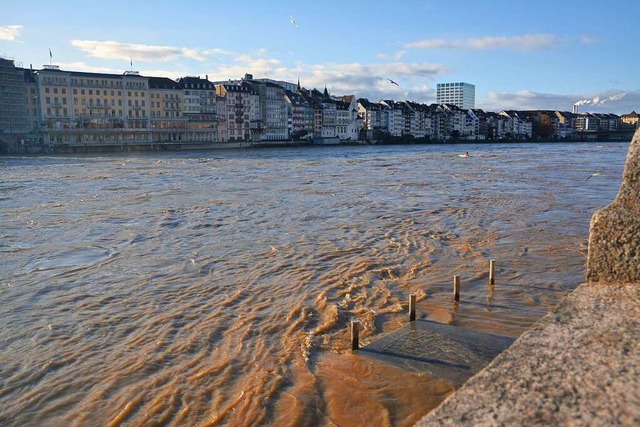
x,y
462,95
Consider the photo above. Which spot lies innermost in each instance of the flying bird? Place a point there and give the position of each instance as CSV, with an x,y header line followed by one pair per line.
x,y
293,21
592,175
392,82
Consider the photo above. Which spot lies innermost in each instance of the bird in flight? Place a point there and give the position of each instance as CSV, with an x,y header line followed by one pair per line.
x,y
592,175
293,21
392,82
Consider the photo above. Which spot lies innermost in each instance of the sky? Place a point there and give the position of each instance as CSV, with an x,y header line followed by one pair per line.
x,y
519,54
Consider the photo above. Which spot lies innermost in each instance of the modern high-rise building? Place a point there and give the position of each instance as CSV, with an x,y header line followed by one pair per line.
x,y
13,107
462,95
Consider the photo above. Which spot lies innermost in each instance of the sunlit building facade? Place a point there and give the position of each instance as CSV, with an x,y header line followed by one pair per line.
x,y
462,95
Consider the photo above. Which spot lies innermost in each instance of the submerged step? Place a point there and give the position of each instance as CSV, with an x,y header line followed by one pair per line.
x,y
443,351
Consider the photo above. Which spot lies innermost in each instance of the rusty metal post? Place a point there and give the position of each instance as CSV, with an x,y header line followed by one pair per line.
x,y
492,271
412,308
355,335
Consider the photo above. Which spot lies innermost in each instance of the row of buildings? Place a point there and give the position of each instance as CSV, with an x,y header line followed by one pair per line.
x,y
59,108
51,109
442,122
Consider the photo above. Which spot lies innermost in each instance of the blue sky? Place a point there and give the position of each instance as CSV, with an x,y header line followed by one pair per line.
x,y
519,54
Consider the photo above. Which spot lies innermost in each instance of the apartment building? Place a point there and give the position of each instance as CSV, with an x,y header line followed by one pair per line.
x,y
630,119
13,106
371,113
199,107
168,122
273,108
301,115
243,119
460,94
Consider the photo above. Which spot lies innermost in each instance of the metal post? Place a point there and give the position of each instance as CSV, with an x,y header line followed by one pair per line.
x,y
355,335
456,288
492,271
412,308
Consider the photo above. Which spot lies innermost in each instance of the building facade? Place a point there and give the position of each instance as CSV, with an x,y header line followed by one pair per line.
x,y
13,105
460,94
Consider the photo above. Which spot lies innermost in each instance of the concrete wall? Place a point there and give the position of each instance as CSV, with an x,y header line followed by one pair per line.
x,y
614,239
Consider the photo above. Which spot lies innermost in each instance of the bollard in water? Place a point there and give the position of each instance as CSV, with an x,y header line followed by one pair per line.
x,y
355,335
492,271
412,308
456,288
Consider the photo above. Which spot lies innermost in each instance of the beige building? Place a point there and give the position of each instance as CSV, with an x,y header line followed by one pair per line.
x,y
199,107
630,119
84,109
93,108
167,121
242,119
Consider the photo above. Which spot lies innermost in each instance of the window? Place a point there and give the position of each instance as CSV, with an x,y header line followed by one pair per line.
x,y
82,91
46,90
90,91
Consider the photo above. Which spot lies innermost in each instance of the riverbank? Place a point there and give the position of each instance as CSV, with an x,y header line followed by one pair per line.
x,y
580,364
35,148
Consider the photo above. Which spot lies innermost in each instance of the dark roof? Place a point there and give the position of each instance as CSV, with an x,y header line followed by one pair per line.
x,y
233,86
191,82
163,83
29,76
296,99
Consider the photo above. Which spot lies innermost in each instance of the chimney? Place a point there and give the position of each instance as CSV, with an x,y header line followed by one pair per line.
x,y
575,108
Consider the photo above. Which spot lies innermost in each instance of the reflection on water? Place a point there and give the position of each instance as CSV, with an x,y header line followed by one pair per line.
x,y
216,288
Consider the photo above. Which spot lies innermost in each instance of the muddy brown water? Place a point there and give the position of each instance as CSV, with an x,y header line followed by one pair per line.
x,y
216,288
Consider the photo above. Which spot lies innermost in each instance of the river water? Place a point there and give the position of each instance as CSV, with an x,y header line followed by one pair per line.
x,y
216,288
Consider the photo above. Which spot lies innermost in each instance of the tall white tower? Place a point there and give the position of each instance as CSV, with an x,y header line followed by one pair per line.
x,y
462,95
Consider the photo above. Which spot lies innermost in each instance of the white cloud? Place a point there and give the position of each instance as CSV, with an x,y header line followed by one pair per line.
x,y
610,101
363,80
526,42
400,54
10,32
139,52
83,66
586,39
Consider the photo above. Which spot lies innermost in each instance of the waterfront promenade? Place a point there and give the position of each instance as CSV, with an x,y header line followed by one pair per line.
x,y
580,364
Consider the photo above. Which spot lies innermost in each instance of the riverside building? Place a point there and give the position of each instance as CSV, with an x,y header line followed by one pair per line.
x,y
462,95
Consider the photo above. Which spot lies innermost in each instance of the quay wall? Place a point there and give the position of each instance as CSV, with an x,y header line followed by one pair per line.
x,y
580,364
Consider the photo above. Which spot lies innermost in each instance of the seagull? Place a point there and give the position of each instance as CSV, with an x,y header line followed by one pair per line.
x,y
592,175
392,82
293,21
